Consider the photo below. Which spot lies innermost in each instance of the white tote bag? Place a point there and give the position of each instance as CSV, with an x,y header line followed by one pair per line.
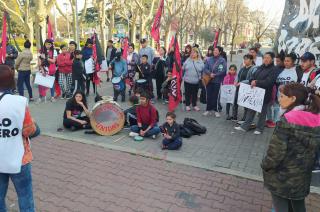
x,y
45,81
89,66
11,141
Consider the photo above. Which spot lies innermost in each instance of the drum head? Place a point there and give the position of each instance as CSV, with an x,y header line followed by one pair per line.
x,y
107,118
141,81
116,80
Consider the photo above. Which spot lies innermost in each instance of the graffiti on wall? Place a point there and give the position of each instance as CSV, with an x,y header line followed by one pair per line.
x,y
299,29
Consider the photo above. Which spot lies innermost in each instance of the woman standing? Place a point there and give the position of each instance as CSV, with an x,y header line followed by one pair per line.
x,y
16,156
132,61
64,63
216,68
22,65
160,71
192,72
46,61
89,65
288,164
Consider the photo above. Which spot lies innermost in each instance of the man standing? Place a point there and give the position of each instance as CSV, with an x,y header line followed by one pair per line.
x,y
257,59
11,55
110,55
308,67
146,50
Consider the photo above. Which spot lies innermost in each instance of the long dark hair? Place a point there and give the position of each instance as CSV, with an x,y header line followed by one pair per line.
x,y
304,96
84,99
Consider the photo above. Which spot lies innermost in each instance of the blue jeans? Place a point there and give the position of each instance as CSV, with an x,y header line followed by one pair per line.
x,y
155,130
273,112
172,144
23,185
24,78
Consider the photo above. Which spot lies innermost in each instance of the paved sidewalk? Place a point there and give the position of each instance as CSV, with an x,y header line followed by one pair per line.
x,y
71,176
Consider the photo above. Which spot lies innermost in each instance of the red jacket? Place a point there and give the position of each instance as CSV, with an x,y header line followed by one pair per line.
x,y
64,63
147,115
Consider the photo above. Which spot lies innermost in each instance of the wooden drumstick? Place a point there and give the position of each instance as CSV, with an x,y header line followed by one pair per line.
x,y
122,137
140,71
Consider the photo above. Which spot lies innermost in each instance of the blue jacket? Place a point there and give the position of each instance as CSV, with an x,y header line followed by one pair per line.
x,y
86,53
217,66
120,68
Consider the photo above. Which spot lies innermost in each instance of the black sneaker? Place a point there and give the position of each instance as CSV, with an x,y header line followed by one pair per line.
x,y
108,79
229,118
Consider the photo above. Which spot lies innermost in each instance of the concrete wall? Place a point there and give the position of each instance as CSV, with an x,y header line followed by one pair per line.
x,y
299,28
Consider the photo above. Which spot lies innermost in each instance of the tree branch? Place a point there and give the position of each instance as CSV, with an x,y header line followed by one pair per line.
x,y
5,6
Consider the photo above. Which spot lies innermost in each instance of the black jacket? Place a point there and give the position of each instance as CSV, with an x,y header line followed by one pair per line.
x,y
173,131
77,70
160,67
242,75
146,70
113,53
266,77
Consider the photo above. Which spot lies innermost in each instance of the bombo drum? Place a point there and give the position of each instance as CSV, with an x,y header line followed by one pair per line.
x,y
118,84
107,118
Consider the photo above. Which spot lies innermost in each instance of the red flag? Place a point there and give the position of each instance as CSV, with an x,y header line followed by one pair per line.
x,y
3,50
125,48
96,78
155,31
216,38
175,89
49,30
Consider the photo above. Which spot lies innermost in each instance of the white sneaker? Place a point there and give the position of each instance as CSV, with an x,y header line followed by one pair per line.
x,y
207,113
53,99
217,114
240,129
133,134
153,136
257,132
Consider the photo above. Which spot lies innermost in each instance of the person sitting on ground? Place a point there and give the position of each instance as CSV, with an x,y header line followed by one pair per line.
x,y
171,133
72,118
147,119
130,114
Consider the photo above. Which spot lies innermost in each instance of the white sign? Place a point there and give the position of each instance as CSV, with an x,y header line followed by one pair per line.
x,y
45,81
251,98
228,93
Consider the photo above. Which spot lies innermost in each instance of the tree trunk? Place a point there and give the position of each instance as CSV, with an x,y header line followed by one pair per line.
x,y
30,33
133,31
40,22
166,37
102,20
111,25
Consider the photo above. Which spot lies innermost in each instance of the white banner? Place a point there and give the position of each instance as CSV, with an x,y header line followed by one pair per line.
x,y
228,93
45,81
251,98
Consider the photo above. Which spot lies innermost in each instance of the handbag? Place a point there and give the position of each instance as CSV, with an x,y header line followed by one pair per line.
x,y
206,78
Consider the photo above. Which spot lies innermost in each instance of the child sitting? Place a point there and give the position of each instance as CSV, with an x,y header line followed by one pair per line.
x,y
130,114
171,133
229,79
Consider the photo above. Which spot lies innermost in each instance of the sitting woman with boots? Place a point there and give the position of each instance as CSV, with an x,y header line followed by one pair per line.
x,y
72,118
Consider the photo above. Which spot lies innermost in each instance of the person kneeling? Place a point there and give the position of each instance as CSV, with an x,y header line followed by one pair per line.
x,y
147,119
171,133
72,118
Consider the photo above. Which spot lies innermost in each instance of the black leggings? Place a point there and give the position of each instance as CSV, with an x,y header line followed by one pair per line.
x,y
88,80
68,123
191,93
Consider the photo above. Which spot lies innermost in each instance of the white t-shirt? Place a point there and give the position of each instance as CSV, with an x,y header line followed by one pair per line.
x,y
287,76
258,61
305,77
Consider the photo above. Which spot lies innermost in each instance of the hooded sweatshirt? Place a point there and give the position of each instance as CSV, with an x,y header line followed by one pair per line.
x,y
192,70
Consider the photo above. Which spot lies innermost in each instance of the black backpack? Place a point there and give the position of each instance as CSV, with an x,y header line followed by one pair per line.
x,y
185,132
194,126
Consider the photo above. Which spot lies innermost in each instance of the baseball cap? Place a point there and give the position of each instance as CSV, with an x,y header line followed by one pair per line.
x,y
308,56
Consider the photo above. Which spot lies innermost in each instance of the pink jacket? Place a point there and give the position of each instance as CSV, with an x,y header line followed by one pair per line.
x,y
229,79
64,63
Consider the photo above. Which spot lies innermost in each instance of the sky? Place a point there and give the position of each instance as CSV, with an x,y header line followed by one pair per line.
x,y
273,8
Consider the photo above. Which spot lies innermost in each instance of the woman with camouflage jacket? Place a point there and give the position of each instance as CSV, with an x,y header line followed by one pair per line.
x,y
287,167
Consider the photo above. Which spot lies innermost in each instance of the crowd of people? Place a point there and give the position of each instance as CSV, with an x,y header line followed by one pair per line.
x,y
291,102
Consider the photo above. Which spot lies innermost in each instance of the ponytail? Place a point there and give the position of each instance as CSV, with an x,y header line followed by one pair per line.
x,y
313,101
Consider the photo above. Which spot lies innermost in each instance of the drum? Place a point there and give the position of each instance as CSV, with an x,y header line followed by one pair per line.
x,y
107,118
118,84
142,83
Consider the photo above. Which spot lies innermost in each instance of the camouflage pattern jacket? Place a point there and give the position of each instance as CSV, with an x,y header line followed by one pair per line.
x,y
287,166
